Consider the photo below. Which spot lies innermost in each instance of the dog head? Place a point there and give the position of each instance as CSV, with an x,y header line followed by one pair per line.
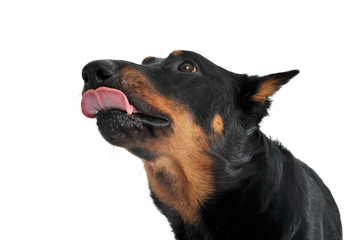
x,y
177,114
137,105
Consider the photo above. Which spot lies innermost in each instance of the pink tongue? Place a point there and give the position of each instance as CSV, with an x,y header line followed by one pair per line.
x,y
104,98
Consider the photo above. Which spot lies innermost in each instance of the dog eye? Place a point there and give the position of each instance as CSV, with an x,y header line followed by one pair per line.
x,y
187,67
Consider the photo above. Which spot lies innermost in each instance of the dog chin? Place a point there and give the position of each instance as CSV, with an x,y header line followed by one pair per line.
x,y
124,130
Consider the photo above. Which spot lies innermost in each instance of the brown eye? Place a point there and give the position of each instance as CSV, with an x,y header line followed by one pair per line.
x,y
187,67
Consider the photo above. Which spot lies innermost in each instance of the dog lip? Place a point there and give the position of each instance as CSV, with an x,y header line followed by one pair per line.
x,y
148,114
156,121
135,119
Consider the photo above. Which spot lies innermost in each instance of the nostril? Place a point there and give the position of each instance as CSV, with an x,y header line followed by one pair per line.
x,y
97,72
102,75
85,77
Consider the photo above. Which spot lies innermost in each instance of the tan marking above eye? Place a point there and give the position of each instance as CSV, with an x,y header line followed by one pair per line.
x,y
176,52
147,58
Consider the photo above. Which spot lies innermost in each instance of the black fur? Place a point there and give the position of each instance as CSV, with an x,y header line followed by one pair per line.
x,y
261,190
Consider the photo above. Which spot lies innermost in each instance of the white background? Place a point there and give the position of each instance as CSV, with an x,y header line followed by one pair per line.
x,y
60,180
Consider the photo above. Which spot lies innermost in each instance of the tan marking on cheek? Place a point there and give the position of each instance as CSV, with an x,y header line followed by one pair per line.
x,y
265,90
217,124
182,151
183,156
176,52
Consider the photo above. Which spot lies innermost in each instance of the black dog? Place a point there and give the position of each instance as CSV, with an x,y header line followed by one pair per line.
x,y
211,171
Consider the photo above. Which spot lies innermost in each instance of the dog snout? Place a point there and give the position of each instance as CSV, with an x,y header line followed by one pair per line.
x,y
96,73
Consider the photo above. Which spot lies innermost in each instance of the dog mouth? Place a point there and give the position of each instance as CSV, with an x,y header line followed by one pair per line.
x,y
112,104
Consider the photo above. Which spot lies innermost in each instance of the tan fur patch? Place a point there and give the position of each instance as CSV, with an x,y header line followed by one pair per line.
x,y
181,177
147,58
217,124
83,91
265,90
176,52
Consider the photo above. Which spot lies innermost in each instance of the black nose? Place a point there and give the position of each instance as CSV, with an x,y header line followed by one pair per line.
x,y
97,72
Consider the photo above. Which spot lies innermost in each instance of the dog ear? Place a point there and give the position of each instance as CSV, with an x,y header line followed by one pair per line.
x,y
258,90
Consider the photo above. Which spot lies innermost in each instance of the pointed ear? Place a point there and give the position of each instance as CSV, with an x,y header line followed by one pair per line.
x,y
269,85
258,91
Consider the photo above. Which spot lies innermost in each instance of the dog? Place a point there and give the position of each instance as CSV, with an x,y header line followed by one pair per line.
x,y
211,171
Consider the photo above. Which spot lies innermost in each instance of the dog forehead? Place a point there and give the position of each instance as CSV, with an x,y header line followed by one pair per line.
x,y
175,56
184,54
